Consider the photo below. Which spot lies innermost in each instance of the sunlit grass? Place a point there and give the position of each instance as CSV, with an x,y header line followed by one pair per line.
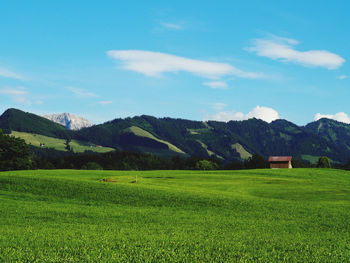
x,y
298,215
38,140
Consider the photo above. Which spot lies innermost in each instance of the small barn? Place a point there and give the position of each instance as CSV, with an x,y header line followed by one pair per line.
x,y
277,162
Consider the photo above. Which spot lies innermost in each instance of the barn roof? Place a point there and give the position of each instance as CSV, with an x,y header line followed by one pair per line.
x,y
280,158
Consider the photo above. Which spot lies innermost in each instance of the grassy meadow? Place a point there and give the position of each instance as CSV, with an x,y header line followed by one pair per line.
x,y
59,144
295,215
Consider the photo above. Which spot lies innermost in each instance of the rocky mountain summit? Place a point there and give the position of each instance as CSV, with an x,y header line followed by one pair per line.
x,y
70,121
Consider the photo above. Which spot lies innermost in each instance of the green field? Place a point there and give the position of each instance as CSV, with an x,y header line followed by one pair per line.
x,y
59,144
295,215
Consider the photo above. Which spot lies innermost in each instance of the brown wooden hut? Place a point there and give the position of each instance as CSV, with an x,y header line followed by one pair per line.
x,y
277,162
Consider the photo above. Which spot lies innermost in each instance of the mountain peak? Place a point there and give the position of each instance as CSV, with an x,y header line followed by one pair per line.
x,y
70,121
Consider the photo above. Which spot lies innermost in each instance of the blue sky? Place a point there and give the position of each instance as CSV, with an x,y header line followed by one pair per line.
x,y
197,60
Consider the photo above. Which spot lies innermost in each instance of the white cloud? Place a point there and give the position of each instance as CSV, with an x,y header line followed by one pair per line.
x,y
155,63
81,92
9,74
218,106
263,113
342,77
20,95
216,84
14,91
340,116
38,102
171,26
259,112
104,102
283,49
22,100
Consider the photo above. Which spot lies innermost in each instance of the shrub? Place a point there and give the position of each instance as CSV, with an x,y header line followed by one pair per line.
x,y
323,162
256,162
206,165
14,153
92,166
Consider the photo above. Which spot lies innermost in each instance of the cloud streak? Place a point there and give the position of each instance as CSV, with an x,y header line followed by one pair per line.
x,y
171,26
283,49
218,106
9,74
105,102
341,77
216,84
81,92
14,91
20,95
340,116
154,64
259,112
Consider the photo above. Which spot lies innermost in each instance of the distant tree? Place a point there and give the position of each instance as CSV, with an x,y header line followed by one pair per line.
x,y
346,166
42,163
178,162
49,165
68,148
235,165
323,162
217,162
14,153
255,162
297,163
92,166
206,165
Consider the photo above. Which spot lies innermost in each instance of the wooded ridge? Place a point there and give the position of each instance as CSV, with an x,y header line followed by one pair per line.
x,y
168,137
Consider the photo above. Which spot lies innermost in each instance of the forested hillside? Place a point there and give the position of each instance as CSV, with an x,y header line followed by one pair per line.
x,y
234,140
17,120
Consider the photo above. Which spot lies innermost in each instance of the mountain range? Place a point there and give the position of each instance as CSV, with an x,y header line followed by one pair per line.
x,y
70,121
234,140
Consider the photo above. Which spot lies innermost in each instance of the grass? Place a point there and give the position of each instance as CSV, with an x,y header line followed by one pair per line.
x,y
59,144
142,133
210,153
244,154
295,215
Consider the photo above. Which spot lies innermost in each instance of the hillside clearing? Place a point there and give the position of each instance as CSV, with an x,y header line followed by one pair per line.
x,y
59,144
142,133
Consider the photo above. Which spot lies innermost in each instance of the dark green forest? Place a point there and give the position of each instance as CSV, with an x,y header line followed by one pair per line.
x,y
14,153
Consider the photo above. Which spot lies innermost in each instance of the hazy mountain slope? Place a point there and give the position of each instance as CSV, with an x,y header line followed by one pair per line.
x,y
70,121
